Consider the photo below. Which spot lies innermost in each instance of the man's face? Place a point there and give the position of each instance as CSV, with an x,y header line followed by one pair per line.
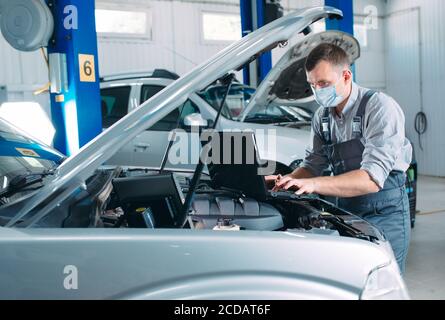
x,y
325,75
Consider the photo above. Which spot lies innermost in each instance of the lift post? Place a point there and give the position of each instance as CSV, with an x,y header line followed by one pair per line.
x,y
253,17
347,23
74,72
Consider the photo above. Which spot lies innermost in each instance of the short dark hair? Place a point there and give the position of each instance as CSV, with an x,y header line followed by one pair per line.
x,y
329,53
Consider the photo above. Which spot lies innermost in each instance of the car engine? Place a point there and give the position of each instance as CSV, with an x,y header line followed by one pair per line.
x,y
140,198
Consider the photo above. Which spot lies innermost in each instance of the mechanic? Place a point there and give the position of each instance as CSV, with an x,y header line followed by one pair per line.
x,y
360,135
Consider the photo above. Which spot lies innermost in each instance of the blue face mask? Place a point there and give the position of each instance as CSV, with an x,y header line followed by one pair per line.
x,y
327,97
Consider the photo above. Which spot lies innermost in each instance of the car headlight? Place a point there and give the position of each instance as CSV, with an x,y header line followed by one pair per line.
x,y
385,283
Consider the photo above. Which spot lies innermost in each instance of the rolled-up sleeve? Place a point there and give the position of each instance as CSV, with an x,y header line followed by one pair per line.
x,y
383,138
316,160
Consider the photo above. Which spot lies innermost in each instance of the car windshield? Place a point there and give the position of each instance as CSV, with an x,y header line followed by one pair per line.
x,y
13,167
237,99
18,156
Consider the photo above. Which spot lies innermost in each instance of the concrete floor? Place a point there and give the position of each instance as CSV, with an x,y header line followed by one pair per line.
x,y
425,274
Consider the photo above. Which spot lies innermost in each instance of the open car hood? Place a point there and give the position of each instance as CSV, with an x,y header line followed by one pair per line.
x,y
73,173
286,83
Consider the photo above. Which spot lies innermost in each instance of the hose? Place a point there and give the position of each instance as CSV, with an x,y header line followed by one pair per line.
x,y
421,126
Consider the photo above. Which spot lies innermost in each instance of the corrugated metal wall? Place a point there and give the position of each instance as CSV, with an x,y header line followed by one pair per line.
x,y
409,66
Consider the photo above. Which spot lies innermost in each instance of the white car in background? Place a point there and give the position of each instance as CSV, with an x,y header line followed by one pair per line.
x,y
282,105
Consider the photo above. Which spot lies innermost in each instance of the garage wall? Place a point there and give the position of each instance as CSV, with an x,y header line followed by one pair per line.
x,y
176,43
416,62
370,68
22,73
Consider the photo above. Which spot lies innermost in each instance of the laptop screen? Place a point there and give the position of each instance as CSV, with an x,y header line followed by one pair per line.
x,y
233,162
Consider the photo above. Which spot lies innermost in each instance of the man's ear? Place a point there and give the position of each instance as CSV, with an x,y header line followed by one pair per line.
x,y
347,75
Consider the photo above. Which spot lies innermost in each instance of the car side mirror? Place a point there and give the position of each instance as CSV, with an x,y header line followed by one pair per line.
x,y
195,120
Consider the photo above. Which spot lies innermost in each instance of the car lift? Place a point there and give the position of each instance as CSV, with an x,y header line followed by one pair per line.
x,y
256,13
73,58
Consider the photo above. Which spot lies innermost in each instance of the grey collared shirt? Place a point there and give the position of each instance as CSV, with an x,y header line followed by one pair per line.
x,y
386,146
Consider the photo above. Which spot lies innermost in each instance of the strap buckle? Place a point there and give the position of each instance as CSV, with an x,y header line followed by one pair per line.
x,y
325,126
357,126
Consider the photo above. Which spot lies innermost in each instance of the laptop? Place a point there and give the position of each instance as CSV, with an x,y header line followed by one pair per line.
x,y
234,163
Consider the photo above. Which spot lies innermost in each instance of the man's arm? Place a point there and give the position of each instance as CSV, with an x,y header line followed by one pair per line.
x,y
301,173
352,184
385,138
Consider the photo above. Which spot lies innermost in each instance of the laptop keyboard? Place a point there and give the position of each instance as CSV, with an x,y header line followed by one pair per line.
x,y
283,195
290,195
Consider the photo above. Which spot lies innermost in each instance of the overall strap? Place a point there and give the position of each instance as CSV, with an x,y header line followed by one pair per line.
x,y
326,126
358,125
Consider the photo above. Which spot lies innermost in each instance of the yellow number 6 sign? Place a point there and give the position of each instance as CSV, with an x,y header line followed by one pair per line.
x,y
87,68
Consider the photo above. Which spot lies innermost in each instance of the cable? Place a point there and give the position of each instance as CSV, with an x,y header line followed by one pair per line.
x,y
42,50
421,126
172,139
47,86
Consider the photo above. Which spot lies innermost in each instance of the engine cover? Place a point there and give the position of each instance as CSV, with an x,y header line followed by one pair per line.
x,y
245,212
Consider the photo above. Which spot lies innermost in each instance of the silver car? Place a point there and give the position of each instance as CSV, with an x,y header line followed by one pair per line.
x,y
84,230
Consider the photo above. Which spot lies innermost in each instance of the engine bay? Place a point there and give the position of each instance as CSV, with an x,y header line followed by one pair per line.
x,y
109,202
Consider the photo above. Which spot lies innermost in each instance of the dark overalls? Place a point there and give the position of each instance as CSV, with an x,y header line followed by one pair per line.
x,y
387,209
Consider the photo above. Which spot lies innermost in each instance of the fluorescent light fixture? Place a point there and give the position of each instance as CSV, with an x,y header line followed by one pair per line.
x,y
29,117
123,22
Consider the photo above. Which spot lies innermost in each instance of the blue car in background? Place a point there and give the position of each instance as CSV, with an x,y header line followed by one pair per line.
x,y
25,162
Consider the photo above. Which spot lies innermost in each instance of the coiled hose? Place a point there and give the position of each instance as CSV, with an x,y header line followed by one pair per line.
x,y
421,126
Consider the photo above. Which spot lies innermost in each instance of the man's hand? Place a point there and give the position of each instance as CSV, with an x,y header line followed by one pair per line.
x,y
301,186
271,181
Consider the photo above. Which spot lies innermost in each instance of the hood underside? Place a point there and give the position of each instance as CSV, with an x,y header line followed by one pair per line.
x,y
291,83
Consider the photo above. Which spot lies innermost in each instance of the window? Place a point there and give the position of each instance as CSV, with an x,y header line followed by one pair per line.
x,y
221,26
171,120
128,23
114,104
149,91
